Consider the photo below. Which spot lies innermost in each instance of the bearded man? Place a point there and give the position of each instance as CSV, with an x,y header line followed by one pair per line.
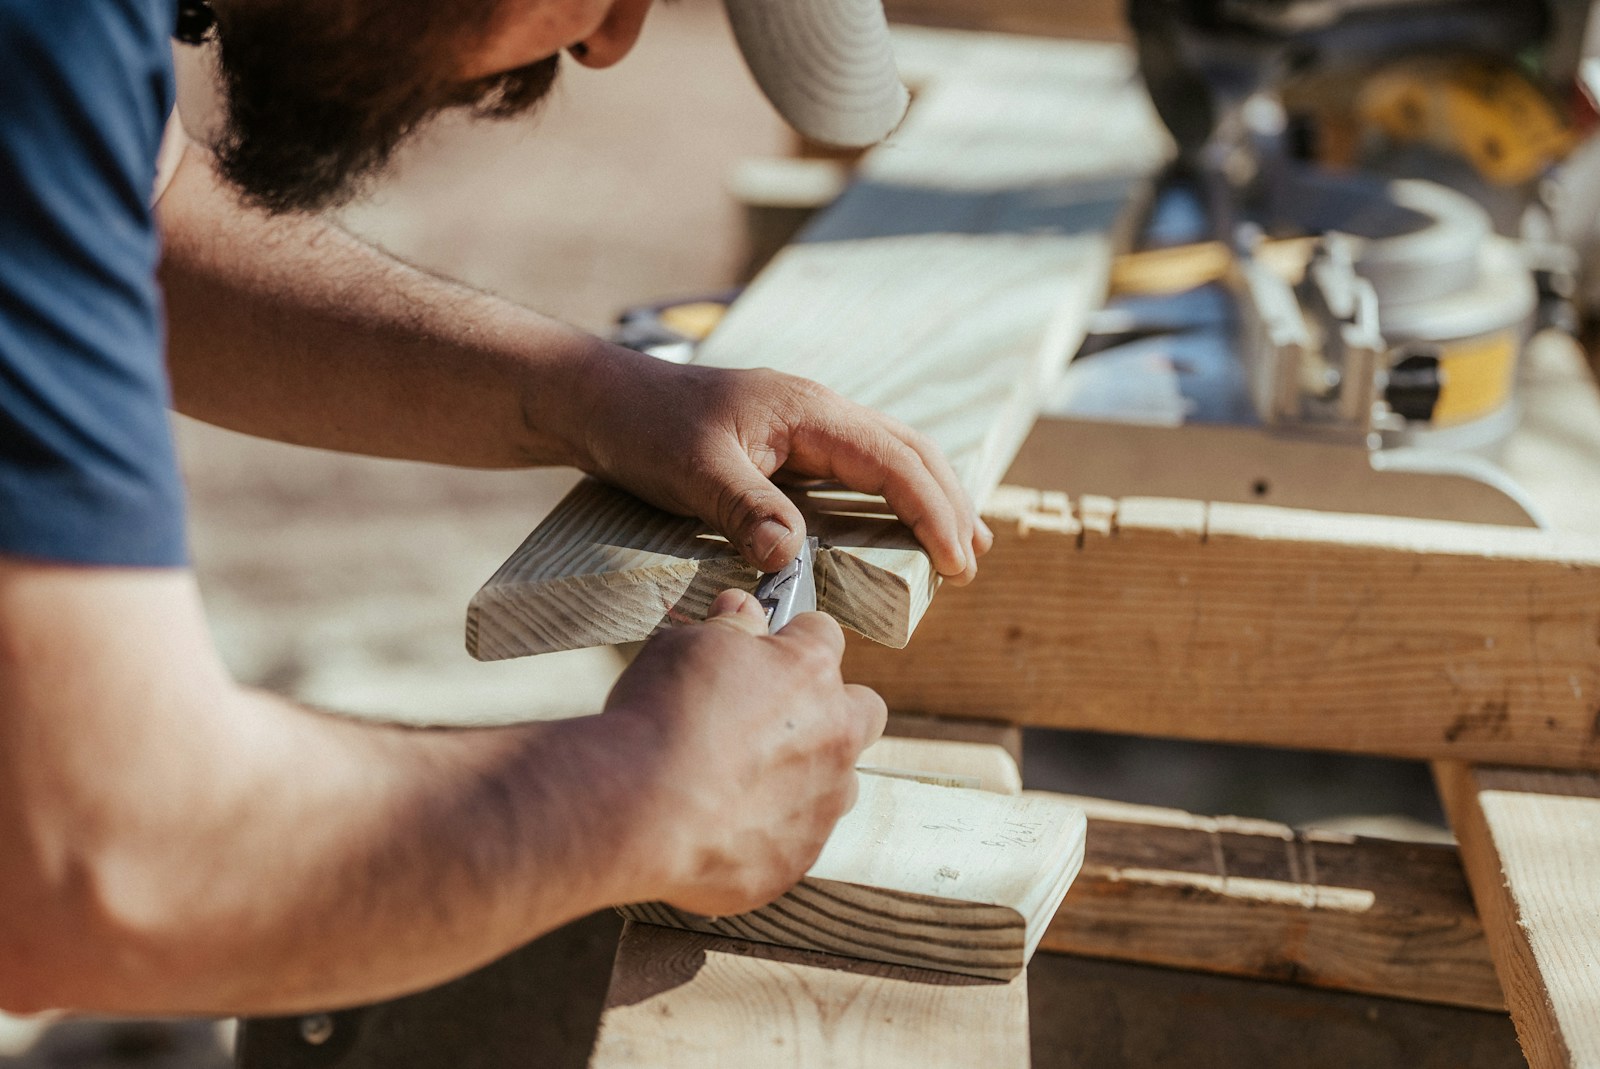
x,y
177,843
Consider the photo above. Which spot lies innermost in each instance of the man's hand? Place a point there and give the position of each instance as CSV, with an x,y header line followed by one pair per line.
x,y
754,740
707,442
294,330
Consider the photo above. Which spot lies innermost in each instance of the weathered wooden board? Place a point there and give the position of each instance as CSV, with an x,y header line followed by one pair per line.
x,y
1531,845
934,877
1256,898
687,1000
1252,624
947,288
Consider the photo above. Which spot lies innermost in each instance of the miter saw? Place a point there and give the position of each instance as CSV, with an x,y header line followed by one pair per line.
x,y
1358,241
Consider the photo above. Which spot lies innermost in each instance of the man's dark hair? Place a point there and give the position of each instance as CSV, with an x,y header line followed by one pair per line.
x,y
320,94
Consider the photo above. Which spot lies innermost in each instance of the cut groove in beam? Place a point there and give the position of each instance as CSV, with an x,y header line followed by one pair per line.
x,y
1259,899
1252,624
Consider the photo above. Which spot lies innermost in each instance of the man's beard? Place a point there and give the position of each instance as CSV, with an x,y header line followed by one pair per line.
x,y
320,95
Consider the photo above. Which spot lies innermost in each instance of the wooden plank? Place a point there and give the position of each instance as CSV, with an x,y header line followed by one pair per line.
x,y
1260,899
1091,1013
947,288
1531,845
1251,624
696,1001
972,742
934,877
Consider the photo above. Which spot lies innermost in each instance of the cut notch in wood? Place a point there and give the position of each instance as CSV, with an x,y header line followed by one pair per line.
x,y
605,567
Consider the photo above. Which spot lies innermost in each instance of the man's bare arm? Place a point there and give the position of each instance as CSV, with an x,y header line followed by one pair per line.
x,y
177,844
292,329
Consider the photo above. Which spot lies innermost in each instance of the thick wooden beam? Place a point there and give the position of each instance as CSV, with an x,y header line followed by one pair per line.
x,y
1259,899
1250,624
935,877
696,1001
947,287
1531,845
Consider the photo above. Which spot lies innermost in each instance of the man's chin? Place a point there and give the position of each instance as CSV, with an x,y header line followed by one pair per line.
x,y
284,151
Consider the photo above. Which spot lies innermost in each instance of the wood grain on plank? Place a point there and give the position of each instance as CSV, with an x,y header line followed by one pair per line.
x,y
1530,841
935,877
1252,624
697,1001
946,288
1256,898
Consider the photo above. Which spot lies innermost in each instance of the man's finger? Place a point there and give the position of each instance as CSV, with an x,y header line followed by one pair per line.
x,y
968,522
869,459
874,713
735,608
819,631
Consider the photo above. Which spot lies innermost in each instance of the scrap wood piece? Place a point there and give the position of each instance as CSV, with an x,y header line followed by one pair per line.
x,y
1254,624
936,877
1530,841
1259,899
697,1001
956,335
947,288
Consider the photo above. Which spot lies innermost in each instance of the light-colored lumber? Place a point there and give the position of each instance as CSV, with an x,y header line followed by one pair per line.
x,y
947,287
686,1000
991,766
1530,841
936,877
1252,624
1256,898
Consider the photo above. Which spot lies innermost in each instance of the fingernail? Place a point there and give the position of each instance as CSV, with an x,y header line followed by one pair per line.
x,y
987,532
769,536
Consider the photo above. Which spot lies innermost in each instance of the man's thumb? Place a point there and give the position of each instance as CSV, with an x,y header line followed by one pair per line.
x,y
738,609
769,534
754,515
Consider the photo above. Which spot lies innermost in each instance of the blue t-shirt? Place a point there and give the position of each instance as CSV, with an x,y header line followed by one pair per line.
x,y
88,472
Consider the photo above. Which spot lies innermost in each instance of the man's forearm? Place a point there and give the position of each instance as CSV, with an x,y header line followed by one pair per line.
x,y
175,844
293,329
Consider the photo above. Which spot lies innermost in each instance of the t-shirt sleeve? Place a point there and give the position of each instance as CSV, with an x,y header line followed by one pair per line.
x,y
88,471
